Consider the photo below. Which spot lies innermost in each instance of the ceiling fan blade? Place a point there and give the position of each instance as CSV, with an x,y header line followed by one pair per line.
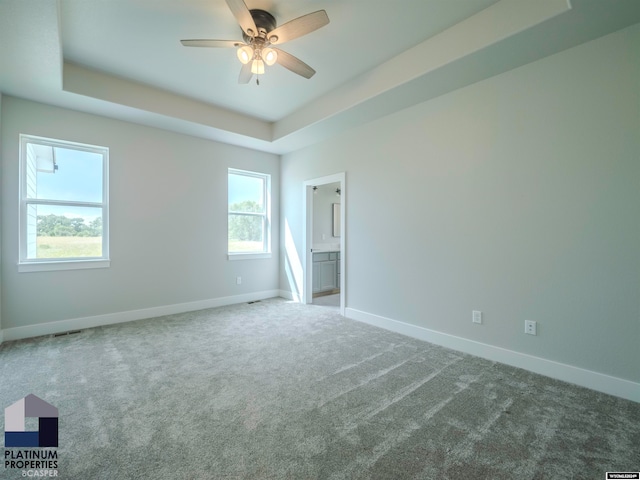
x,y
298,27
294,64
245,74
243,16
211,43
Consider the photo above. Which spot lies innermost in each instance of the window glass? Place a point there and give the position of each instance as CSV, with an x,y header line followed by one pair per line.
x,y
246,233
248,207
77,175
64,204
246,193
68,232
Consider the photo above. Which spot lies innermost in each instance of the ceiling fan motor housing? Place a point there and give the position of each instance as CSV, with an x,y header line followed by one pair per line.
x,y
265,22
260,31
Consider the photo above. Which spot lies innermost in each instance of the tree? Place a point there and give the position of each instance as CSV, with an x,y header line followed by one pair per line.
x,y
78,225
95,227
60,226
245,227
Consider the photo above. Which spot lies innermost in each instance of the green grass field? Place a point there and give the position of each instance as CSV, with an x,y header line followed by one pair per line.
x,y
68,247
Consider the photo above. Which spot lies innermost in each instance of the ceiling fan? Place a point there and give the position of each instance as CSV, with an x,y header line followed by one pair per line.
x,y
260,34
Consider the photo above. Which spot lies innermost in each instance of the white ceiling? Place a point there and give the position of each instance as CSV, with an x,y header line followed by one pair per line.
x,y
139,39
123,59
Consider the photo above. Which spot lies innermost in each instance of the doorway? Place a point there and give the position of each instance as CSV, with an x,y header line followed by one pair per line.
x,y
324,207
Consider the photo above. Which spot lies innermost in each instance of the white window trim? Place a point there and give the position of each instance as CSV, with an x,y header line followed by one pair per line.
x,y
248,256
48,264
267,227
66,264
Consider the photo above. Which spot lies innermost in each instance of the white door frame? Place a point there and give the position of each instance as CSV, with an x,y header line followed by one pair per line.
x,y
307,236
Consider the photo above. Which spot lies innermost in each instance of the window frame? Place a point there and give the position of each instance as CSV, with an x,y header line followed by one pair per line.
x,y
26,264
266,224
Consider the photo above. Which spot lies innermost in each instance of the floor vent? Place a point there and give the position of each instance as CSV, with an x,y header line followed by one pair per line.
x,y
64,334
253,301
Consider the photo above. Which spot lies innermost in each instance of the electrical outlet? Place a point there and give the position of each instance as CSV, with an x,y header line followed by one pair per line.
x,y
238,280
476,316
530,327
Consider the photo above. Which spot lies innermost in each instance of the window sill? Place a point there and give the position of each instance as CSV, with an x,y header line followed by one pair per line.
x,y
49,266
248,256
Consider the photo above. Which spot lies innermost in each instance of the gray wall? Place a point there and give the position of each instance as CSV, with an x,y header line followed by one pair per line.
x,y
168,221
517,196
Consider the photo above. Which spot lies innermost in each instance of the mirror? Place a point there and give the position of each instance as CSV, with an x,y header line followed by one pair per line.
x,y
336,219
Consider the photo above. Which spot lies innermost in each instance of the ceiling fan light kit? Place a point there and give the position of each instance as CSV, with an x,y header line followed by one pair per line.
x,y
270,56
260,31
257,67
245,54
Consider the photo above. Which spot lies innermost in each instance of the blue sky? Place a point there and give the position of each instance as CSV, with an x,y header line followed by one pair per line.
x,y
245,188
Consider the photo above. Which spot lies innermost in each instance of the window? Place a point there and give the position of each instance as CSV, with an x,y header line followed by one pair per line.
x,y
64,217
249,214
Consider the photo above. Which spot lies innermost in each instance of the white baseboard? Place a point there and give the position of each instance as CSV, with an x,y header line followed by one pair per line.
x,y
560,371
290,296
60,326
579,376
